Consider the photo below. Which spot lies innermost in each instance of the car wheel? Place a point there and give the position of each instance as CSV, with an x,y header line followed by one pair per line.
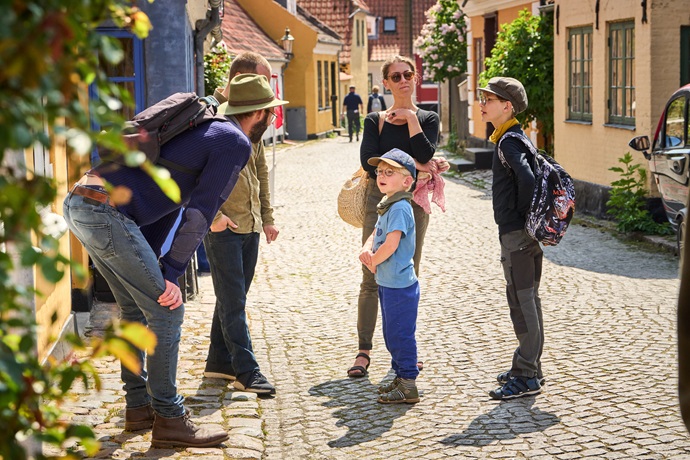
x,y
680,235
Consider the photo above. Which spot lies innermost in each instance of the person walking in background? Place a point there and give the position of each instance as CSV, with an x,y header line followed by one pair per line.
x,y
415,131
352,107
124,241
521,256
388,253
232,246
376,102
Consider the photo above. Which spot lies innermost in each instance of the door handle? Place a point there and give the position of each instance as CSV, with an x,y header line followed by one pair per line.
x,y
678,164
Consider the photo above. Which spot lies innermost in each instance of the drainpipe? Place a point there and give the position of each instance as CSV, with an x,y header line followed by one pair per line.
x,y
203,27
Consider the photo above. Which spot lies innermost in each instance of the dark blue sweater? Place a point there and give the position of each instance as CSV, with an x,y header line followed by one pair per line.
x,y
220,150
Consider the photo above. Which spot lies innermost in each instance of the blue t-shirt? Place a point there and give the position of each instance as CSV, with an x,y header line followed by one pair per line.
x,y
398,270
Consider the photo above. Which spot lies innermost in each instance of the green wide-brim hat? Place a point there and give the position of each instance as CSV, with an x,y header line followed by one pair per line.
x,y
249,92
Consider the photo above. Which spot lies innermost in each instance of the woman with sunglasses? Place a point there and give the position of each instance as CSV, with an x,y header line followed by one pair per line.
x,y
415,131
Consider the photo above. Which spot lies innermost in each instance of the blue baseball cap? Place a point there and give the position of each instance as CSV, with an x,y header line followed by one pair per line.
x,y
398,159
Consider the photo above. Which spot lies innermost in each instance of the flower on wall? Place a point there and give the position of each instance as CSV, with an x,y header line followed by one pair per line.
x,y
442,41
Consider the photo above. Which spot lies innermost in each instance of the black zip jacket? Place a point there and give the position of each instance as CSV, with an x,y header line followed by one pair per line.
x,y
512,188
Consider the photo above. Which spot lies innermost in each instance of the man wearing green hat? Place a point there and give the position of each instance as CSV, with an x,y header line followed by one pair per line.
x,y
124,239
232,248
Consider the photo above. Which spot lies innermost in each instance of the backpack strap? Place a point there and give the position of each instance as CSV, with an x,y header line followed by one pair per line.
x,y
200,117
525,141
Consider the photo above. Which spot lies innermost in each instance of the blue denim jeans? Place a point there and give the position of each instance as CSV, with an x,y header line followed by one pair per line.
x,y
399,319
125,259
232,258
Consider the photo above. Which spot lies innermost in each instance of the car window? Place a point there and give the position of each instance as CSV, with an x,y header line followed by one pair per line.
x,y
675,123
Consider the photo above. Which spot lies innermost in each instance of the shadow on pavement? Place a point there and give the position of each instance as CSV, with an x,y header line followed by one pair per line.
x,y
364,418
507,420
577,252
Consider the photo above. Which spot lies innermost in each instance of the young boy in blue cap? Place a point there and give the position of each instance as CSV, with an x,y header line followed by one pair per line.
x,y
388,254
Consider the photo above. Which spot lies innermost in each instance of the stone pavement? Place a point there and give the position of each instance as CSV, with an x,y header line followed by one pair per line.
x,y
610,352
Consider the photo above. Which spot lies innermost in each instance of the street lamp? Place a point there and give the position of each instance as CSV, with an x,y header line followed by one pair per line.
x,y
287,45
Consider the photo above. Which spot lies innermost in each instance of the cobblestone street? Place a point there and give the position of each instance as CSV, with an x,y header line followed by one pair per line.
x,y
610,356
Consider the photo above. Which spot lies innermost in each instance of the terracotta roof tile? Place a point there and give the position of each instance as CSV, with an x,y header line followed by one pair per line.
x,y
242,33
405,11
326,33
383,52
336,14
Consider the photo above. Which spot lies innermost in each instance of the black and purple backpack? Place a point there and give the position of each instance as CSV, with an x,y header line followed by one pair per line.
x,y
553,199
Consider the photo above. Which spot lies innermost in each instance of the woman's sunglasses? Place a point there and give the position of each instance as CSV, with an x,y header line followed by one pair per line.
x,y
397,76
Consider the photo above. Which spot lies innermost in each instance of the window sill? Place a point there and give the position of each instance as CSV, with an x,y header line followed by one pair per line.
x,y
579,122
619,126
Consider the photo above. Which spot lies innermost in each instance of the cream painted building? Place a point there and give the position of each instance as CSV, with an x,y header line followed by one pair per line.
x,y
615,65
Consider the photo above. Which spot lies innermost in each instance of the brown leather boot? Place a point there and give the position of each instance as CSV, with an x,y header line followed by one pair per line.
x,y
182,432
139,418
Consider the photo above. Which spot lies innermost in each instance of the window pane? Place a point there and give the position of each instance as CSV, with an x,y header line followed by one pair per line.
x,y
389,25
675,123
124,68
580,57
622,74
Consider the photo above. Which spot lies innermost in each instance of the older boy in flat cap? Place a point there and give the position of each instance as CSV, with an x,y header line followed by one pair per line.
x,y
521,256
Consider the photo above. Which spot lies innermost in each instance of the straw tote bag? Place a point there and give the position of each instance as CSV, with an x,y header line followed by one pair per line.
x,y
352,198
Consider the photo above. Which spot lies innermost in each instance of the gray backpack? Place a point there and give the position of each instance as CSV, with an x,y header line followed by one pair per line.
x,y
161,122
376,104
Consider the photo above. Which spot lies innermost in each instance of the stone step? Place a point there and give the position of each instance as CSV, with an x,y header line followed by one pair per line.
x,y
461,164
481,157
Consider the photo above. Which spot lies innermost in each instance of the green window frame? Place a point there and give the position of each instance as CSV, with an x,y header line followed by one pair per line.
x,y
326,86
580,73
621,95
319,79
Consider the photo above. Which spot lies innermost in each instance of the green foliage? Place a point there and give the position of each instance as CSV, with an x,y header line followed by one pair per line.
x,y
442,41
524,50
216,68
627,200
453,142
50,52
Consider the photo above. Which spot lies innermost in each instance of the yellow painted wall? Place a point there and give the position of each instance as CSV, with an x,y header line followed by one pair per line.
x,y
588,150
273,19
53,303
320,120
359,58
300,85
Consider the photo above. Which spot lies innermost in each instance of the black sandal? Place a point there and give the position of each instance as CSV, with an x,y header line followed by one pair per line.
x,y
359,371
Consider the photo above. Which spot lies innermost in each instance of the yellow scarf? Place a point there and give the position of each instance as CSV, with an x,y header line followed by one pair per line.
x,y
498,132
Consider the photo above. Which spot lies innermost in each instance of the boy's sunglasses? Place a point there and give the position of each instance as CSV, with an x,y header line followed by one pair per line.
x,y
397,76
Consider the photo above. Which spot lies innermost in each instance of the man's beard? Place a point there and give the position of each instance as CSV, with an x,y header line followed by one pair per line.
x,y
257,131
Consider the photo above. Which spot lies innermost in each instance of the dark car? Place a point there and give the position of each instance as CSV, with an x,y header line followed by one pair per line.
x,y
668,160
